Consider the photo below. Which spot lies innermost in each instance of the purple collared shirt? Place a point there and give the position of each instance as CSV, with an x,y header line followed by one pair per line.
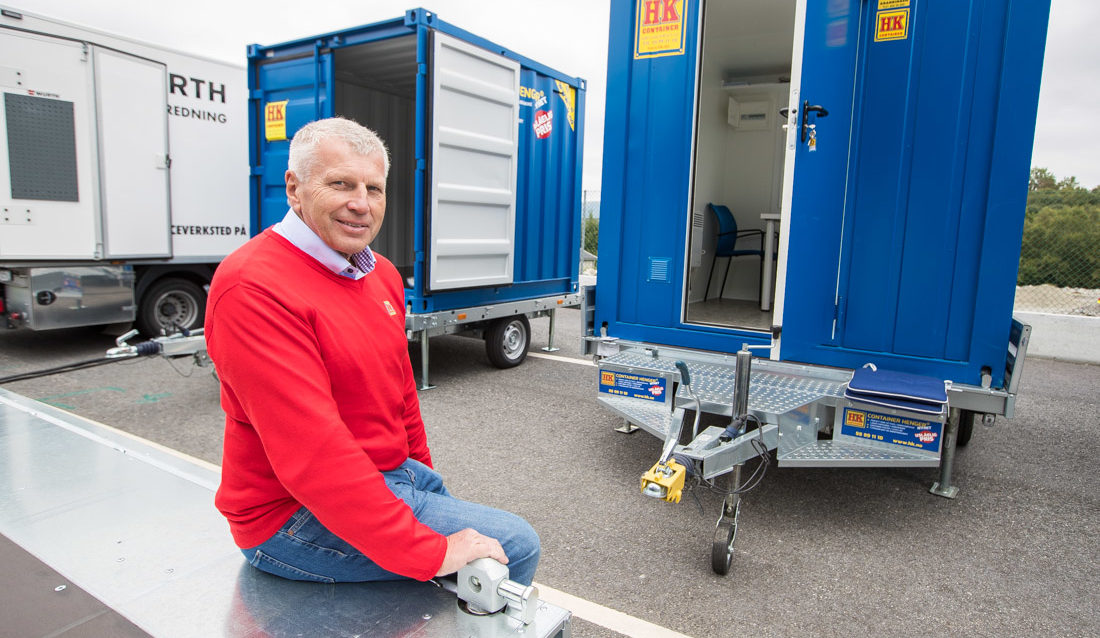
x,y
296,232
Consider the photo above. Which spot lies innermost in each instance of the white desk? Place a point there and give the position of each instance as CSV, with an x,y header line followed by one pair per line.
x,y
771,220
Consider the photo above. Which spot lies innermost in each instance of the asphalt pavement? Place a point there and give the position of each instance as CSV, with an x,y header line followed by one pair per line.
x,y
823,552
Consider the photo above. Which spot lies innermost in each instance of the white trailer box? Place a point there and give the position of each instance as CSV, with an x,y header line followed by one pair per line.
x,y
124,159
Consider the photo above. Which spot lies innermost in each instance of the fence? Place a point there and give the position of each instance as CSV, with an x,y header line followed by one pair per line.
x,y
1060,256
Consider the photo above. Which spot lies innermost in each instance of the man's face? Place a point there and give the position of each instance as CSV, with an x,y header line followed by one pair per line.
x,y
344,199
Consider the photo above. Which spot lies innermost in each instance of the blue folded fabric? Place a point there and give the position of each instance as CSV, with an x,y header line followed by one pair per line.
x,y
898,390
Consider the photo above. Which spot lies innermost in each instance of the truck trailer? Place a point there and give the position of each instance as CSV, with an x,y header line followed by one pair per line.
x,y
126,179
811,219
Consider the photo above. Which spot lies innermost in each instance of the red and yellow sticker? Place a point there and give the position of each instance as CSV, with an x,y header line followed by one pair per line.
x,y
275,121
856,419
892,25
660,28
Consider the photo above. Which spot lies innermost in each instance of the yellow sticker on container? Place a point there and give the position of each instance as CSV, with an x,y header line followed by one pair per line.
x,y
892,4
568,95
660,28
275,121
892,25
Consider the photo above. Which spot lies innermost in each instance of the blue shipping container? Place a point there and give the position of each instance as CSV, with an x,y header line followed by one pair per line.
x,y
479,210
877,170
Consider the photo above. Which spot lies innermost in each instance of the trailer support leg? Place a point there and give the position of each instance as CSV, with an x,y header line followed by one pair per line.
x,y
424,385
725,530
943,487
550,343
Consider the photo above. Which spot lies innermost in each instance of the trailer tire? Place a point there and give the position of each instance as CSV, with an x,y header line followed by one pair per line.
x,y
966,427
725,535
170,303
507,341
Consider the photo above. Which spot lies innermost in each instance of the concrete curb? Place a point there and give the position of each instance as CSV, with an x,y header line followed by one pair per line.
x,y
1063,337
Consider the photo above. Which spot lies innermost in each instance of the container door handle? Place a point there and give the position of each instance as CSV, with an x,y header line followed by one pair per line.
x,y
806,109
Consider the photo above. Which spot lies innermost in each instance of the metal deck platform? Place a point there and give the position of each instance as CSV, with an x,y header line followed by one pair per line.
x,y
800,400
134,525
830,453
774,388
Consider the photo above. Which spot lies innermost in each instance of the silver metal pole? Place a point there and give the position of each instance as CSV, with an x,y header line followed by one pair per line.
x,y
943,487
741,382
424,385
550,343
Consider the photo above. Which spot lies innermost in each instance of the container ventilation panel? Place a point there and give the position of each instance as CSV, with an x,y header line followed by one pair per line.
x,y
41,148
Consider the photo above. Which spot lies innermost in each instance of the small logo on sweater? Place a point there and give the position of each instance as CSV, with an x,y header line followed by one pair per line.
x,y
389,307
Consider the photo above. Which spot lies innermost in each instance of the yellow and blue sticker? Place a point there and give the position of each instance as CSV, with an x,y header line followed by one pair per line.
x,y
636,386
899,430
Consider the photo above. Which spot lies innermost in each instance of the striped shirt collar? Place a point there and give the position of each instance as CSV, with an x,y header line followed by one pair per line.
x,y
298,233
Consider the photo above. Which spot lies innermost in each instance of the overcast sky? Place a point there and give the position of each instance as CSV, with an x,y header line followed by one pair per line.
x,y
571,36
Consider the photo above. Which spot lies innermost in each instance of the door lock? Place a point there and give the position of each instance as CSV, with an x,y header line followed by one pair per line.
x,y
806,109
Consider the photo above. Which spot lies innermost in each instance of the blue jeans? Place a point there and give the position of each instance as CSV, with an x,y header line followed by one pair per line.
x,y
304,550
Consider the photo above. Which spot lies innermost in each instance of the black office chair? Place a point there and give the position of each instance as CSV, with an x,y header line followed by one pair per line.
x,y
727,246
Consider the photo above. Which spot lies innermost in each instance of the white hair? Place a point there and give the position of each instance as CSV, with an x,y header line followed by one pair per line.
x,y
362,140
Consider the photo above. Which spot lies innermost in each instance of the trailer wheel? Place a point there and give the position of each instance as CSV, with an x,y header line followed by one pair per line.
x,y
966,427
507,341
171,303
725,535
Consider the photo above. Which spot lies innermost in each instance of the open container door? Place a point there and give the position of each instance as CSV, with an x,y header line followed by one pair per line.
x,y
907,201
826,43
474,149
287,91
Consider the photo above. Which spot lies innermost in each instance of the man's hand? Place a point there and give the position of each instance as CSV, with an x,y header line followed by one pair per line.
x,y
468,545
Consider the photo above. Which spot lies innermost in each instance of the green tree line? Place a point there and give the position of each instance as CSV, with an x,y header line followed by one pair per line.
x,y
591,234
1061,243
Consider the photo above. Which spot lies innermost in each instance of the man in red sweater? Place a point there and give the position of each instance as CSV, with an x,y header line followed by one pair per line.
x,y
326,472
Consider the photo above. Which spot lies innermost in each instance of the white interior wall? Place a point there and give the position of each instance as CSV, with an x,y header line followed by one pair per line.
x,y
738,168
753,168
709,169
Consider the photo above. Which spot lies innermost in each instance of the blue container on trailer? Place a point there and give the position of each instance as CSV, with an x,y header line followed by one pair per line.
x,y
480,210
887,150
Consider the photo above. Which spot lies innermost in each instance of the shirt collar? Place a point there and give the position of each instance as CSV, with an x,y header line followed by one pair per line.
x,y
298,233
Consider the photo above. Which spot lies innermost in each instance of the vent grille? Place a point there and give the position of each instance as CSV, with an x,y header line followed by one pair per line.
x,y
659,269
41,148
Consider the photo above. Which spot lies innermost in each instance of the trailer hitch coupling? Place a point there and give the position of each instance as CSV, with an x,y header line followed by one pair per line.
x,y
665,480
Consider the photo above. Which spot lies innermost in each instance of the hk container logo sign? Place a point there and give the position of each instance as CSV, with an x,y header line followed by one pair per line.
x,y
275,121
892,20
660,28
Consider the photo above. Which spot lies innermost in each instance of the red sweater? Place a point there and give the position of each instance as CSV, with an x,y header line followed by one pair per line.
x,y
319,398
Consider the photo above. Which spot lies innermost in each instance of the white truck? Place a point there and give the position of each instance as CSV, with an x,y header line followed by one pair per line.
x,y
123,177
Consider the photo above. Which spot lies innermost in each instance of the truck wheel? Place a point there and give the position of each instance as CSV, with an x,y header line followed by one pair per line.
x,y
507,340
171,303
966,427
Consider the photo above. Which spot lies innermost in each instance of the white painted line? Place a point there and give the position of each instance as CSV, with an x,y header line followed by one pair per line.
x,y
555,357
605,616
